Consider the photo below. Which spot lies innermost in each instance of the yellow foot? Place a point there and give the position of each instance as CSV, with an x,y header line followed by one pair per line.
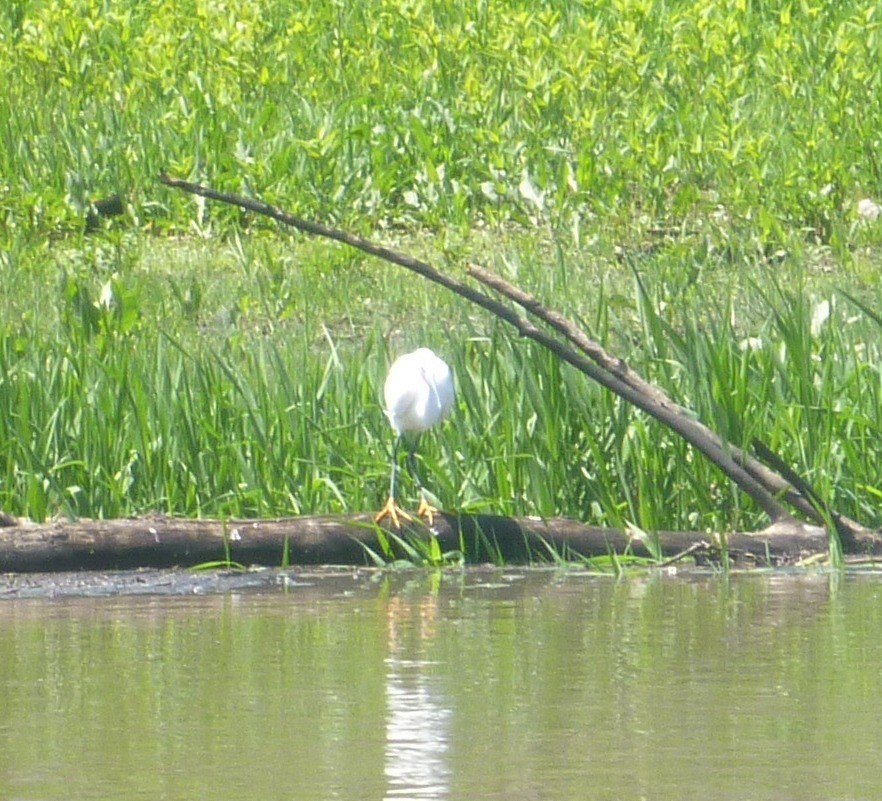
x,y
425,509
393,511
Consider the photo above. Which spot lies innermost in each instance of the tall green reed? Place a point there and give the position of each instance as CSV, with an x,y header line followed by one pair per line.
x,y
246,379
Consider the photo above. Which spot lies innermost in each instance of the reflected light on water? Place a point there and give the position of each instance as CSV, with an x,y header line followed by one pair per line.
x,y
417,712
498,685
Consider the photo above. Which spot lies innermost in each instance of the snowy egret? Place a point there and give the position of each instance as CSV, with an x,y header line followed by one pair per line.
x,y
418,394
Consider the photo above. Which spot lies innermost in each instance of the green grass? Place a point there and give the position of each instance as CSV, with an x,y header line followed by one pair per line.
x,y
239,407
681,178
438,113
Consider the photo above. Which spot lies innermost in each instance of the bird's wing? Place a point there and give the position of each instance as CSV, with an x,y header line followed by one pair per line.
x,y
401,400
402,396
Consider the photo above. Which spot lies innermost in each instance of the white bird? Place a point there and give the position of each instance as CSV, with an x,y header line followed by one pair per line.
x,y
419,394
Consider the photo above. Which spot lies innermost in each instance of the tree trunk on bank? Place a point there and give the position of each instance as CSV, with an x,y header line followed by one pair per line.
x,y
347,539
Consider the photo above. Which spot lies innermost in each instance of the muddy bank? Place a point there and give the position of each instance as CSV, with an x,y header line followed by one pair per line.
x,y
106,584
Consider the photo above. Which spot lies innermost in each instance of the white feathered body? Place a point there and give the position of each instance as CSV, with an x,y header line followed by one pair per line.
x,y
418,391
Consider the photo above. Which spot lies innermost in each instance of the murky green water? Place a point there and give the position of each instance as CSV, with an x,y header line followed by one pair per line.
x,y
477,685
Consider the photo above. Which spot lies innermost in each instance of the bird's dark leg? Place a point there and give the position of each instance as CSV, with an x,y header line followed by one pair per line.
x,y
392,509
411,463
393,480
425,509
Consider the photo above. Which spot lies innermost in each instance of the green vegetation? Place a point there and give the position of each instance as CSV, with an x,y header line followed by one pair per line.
x,y
397,550
439,112
681,178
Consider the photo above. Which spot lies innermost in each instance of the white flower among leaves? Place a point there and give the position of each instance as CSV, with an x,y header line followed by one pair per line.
x,y
820,315
107,298
868,209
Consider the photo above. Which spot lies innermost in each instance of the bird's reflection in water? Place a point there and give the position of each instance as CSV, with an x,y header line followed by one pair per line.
x,y
417,715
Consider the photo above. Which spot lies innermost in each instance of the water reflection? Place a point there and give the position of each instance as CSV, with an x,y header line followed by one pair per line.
x,y
417,713
497,684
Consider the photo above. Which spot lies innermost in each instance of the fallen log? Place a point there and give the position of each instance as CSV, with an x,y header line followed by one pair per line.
x,y
159,542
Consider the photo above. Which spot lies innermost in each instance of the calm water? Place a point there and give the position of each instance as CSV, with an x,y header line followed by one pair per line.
x,y
507,685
